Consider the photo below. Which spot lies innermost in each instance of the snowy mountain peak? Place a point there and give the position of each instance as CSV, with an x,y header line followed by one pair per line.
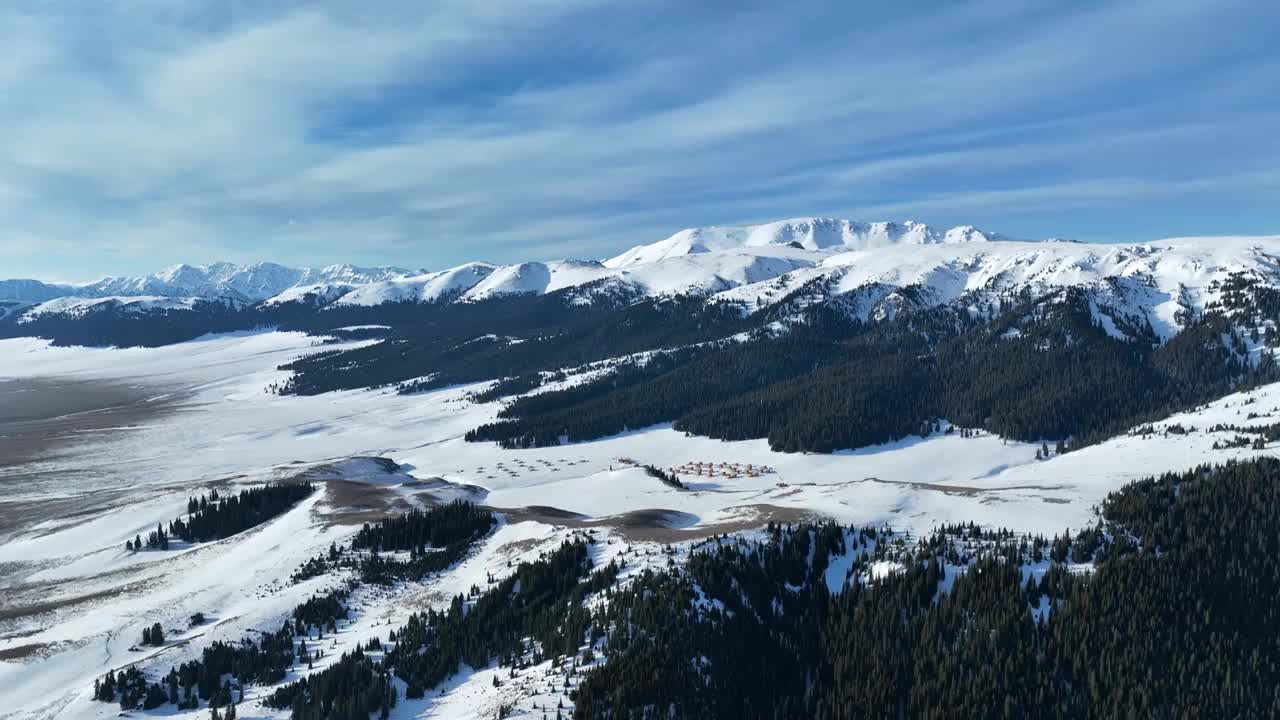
x,y
243,283
358,274
806,233
425,288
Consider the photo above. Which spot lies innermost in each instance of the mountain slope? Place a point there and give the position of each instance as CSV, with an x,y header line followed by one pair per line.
x,y
32,291
1157,285
243,283
431,287
676,275
72,307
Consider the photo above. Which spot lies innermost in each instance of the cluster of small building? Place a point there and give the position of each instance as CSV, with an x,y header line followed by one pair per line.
x,y
722,469
522,466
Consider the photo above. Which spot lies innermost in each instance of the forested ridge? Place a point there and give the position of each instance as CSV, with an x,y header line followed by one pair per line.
x,y
537,611
1044,369
218,677
436,538
512,337
1177,619
1163,608
215,517
806,375
441,526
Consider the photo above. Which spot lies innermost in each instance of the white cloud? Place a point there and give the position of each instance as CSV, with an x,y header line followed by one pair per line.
x,y
414,133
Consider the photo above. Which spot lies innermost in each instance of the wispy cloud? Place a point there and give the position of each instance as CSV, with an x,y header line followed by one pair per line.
x,y
431,133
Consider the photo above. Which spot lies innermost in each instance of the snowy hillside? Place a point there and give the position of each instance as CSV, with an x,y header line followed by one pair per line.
x,y
219,429
80,307
675,275
420,288
1150,284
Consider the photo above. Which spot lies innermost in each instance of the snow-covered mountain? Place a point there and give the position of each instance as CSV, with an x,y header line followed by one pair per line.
x,y
476,282
80,307
747,254
243,283
1153,285
864,269
431,287
806,233
248,283
32,291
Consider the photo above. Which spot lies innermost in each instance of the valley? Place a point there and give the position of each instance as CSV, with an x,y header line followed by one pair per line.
x,y
568,360
985,396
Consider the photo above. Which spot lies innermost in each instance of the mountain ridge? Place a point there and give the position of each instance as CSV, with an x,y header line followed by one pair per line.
x,y
254,282
809,233
865,270
262,281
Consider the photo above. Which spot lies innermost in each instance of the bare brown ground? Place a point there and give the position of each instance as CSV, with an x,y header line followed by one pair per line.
x,y
40,414
41,418
961,490
518,547
352,503
659,525
26,608
22,652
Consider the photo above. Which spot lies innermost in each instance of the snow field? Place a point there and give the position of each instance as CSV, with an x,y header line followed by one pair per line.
x,y
226,426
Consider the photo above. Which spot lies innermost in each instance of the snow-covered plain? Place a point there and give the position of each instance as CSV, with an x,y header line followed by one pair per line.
x,y
75,601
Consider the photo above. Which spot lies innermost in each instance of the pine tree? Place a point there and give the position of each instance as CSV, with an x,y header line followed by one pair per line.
x,y
153,636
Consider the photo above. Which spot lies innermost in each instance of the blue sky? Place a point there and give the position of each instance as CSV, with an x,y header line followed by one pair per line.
x,y
424,134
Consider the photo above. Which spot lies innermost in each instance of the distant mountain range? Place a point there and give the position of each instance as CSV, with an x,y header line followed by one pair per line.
x,y
748,254
243,283
865,271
